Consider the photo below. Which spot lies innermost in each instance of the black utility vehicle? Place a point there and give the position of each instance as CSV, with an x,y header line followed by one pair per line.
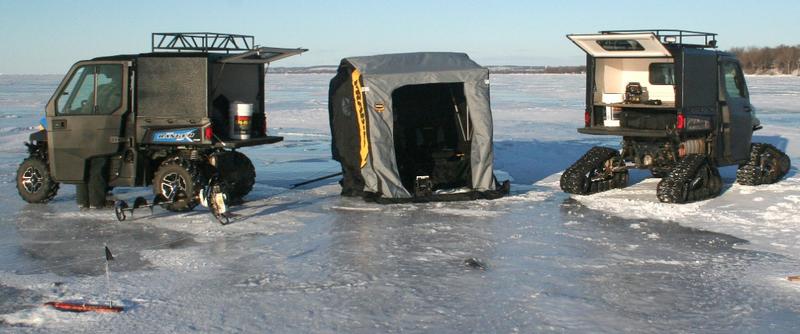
x,y
162,118
682,109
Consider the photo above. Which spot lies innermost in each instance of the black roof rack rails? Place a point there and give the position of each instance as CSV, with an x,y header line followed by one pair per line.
x,y
201,41
675,36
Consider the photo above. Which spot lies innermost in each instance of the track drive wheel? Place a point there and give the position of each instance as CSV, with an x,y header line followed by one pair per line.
x,y
600,169
767,165
692,179
237,173
34,182
179,181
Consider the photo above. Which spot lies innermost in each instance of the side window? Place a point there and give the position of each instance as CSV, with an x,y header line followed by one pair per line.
x,y
109,88
77,98
734,80
92,89
662,73
620,45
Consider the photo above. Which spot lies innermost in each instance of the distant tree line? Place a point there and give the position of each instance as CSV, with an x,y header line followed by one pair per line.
x,y
783,59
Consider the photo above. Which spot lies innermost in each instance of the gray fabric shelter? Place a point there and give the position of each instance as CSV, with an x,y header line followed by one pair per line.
x,y
363,118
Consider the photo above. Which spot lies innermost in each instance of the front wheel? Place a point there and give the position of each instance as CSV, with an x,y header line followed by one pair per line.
x,y
767,165
34,182
178,182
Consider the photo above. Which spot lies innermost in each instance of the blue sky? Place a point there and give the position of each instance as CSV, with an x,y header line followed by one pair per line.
x,y
48,36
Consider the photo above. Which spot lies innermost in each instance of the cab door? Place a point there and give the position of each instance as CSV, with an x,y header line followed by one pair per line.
x,y
737,112
85,117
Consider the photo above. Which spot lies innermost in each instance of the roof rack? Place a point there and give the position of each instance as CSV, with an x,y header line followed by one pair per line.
x,y
201,41
675,36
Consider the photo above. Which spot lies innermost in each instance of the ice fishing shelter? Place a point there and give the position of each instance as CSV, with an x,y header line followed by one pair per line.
x,y
413,127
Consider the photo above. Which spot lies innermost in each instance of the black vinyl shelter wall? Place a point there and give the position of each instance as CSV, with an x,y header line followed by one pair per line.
x,y
171,91
697,82
172,87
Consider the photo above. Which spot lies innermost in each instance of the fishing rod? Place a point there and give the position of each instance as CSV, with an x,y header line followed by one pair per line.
x,y
315,180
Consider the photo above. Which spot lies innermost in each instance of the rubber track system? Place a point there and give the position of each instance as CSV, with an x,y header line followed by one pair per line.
x,y
593,173
767,165
692,179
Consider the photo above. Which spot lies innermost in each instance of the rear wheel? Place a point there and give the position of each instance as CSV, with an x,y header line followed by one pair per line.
x,y
34,182
237,173
178,181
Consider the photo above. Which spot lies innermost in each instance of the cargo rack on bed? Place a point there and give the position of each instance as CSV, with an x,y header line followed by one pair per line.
x,y
674,36
201,41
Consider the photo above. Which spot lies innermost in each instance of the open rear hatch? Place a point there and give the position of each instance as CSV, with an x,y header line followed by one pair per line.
x,y
261,55
615,45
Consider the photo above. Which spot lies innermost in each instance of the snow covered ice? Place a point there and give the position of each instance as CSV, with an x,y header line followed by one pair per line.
x,y
309,260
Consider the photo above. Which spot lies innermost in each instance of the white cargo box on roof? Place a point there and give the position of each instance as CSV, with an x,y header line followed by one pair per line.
x,y
621,45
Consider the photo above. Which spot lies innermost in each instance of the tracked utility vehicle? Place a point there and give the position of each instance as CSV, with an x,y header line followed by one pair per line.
x,y
682,109
172,118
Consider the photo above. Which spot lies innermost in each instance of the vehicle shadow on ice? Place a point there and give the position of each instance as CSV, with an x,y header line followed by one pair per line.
x,y
531,161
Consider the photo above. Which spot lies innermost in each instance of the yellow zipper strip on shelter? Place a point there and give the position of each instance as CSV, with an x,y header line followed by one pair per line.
x,y
361,114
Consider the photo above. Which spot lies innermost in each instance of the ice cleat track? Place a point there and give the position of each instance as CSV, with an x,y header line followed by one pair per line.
x,y
767,165
600,169
692,179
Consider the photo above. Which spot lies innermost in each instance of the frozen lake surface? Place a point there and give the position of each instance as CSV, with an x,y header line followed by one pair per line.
x,y
309,260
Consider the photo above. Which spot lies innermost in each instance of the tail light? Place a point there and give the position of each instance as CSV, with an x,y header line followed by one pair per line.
x,y
209,133
681,122
587,118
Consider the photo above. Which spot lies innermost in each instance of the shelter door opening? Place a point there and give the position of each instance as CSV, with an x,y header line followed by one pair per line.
x,y
432,137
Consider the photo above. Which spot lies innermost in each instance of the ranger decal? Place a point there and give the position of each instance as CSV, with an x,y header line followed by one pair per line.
x,y
177,136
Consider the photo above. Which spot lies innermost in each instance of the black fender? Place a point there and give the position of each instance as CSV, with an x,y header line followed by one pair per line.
x,y
38,137
37,144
